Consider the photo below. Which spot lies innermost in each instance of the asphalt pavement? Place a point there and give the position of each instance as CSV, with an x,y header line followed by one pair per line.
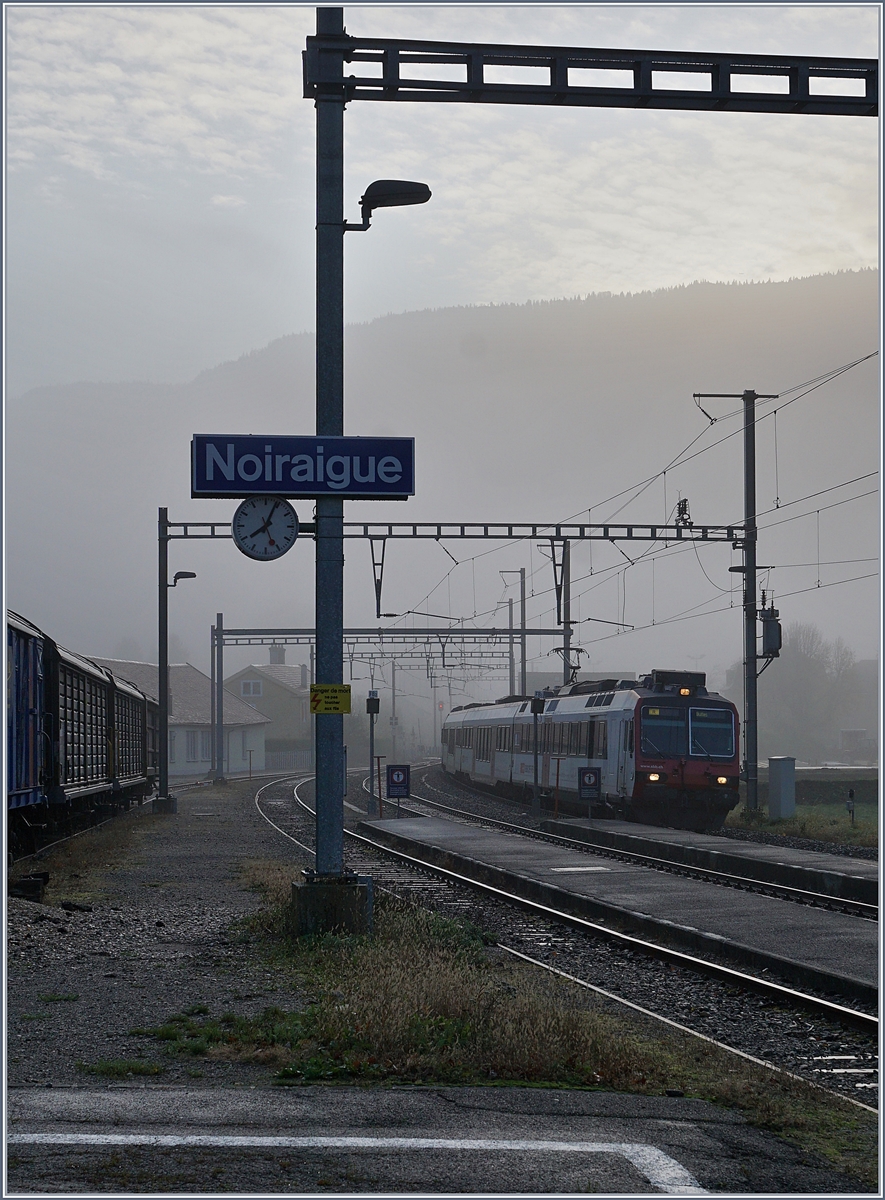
x,y
400,1140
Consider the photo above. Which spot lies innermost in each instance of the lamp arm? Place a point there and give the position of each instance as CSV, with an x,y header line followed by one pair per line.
x,y
348,228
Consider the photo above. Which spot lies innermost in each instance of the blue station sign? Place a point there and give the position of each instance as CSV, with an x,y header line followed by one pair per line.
x,y
359,468
588,783
398,782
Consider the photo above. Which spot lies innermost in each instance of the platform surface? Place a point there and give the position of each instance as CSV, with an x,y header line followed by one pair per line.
x,y
813,868
806,859
834,942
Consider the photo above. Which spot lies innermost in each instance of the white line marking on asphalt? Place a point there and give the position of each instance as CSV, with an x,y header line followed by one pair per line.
x,y
661,1171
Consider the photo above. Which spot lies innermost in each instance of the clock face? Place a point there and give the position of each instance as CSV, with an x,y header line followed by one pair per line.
x,y
264,527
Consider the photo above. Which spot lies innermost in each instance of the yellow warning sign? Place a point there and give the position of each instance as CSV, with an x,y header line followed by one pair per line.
x,y
330,697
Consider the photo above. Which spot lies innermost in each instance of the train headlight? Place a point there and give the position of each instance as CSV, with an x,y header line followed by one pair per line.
x,y
654,777
722,779
685,691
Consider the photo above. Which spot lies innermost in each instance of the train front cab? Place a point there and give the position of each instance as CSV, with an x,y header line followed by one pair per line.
x,y
687,771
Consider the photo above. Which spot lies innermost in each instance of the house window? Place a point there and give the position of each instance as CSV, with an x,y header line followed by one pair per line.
x,y
172,745
250,687
192,745
205,745
244,734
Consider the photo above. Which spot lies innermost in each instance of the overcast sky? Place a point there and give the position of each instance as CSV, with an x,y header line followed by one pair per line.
x,y
160,221
160,178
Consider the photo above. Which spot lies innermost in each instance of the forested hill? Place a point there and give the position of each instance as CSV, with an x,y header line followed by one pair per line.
x,y
520,412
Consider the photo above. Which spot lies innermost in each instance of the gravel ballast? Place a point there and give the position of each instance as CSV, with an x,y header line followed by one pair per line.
x,y
157,941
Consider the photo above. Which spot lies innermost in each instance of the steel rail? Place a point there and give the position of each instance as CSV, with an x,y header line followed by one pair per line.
x,y
647,1012
723,878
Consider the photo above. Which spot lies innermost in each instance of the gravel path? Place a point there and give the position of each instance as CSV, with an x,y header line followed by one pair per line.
x,y
159,943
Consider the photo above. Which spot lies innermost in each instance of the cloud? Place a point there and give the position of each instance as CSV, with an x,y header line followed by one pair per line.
x,y
212,87
198,110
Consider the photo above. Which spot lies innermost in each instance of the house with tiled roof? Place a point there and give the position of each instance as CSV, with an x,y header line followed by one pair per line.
x,y
282,694
190,719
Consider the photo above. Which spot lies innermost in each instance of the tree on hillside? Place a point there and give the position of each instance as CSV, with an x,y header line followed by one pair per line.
x,y
803,695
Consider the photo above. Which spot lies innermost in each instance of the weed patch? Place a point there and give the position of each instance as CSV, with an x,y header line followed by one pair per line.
x,y
423,1001
820,822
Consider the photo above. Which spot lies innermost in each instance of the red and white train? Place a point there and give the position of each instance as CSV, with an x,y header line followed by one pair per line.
x,y
665,747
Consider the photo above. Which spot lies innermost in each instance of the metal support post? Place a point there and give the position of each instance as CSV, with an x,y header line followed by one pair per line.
x,y
313,678
522,682
378,758
219,698
373,809
163,650
566,578
751,765
536,791
214,760
330,423
393,709
512,691
372,707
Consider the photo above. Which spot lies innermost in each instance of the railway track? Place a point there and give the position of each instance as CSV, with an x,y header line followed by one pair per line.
x,y
804,896
808,1036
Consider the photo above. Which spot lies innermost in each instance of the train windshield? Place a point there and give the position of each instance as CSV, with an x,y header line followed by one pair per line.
x,y
712,732
664,731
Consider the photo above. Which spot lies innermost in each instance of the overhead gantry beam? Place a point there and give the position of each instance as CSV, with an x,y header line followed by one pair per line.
x,y
493,530
391,637
394,69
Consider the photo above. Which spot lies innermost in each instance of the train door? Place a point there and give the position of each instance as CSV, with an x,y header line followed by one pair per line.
x,y
625,758
621,744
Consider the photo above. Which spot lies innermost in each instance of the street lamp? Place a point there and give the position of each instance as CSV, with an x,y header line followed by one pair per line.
x,y
389,193
164,803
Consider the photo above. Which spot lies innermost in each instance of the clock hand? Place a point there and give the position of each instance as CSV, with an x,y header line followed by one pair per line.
x,y
265,528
